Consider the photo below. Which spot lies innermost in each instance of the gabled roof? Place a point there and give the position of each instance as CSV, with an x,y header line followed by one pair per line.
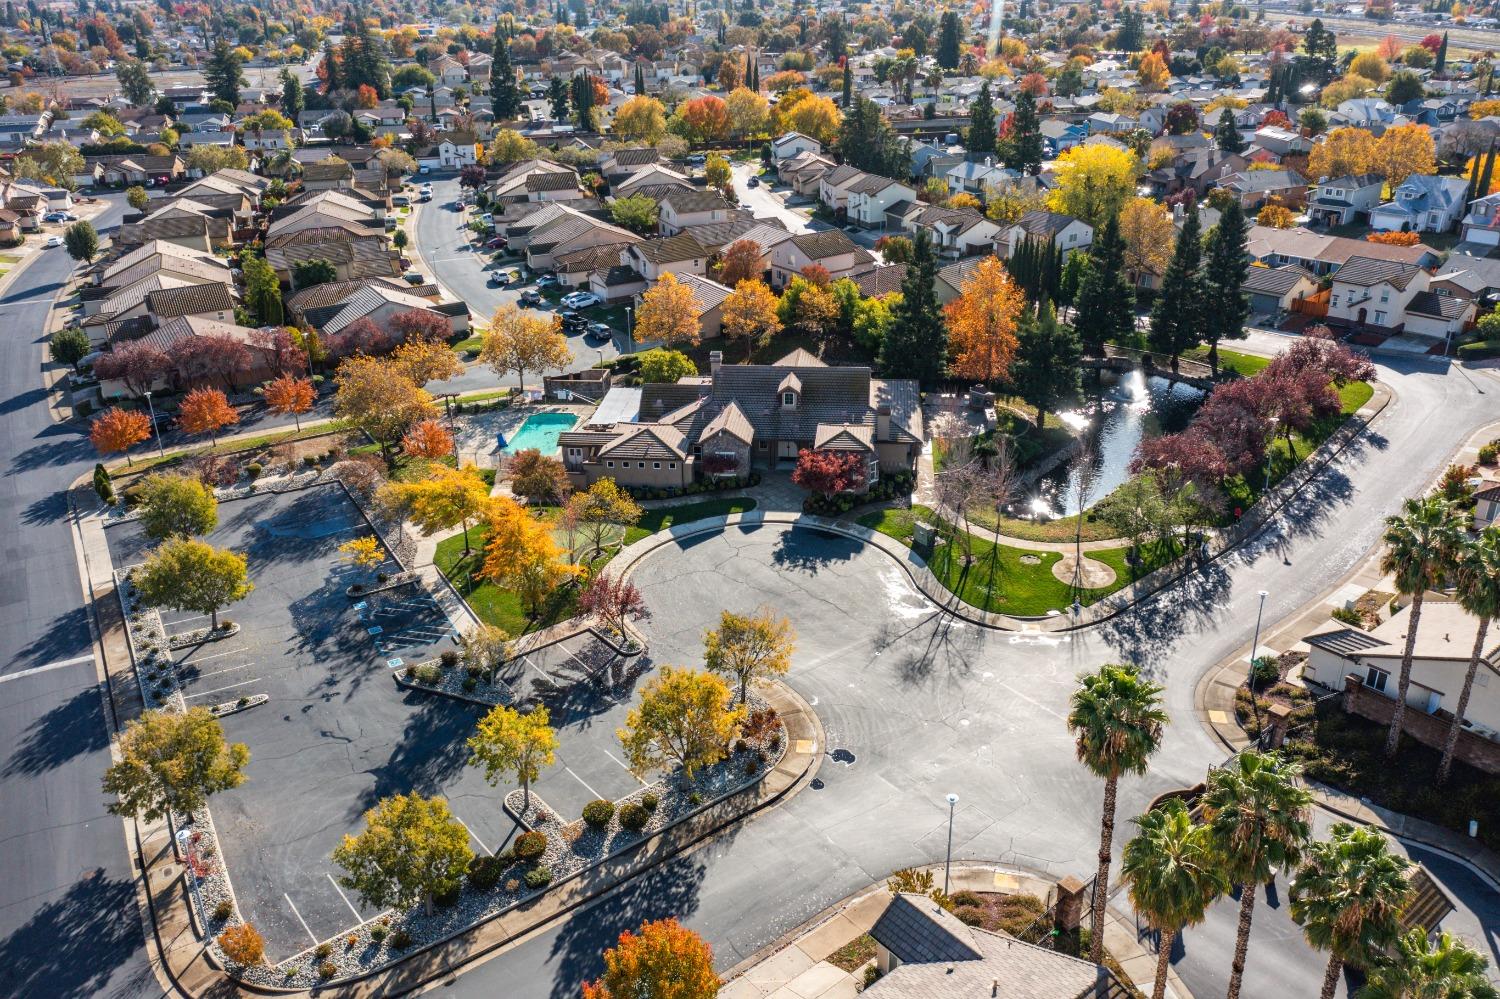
x,y
1364,272
828,243
842,437
1044,224
916,930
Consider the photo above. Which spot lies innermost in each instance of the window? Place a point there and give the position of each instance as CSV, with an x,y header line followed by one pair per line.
x,y
574,452
610,464
1385,295
1376,679
656,464
1334,301
789,399
1379,318
761,444
640,464
672,465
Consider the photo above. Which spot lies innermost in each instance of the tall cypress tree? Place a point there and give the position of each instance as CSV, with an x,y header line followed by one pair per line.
x,y
916,345
1177,320
950,39
1106,300
505,92
1026,136
332,78
848,85
1045,371
1227,133
1226,305
1442,55
557,92
982,123
640,77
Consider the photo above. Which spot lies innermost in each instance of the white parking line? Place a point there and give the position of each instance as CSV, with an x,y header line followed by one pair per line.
x,y
42,669
220,655
299,918
357,917
476,838
220,672
622,764
585,783
217,690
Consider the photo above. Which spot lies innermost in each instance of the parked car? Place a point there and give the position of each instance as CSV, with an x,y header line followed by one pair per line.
x,y
697,159
55,217
426,197
530,297
69,217
498,243
546,281
497,278
599,333
54,241
574,323
413,277
424,170
580,300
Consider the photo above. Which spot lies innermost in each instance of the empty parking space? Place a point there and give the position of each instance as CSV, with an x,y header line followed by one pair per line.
x,y
406,624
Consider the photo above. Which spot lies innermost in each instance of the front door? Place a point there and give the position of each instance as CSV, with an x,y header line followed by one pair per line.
x,y
786,449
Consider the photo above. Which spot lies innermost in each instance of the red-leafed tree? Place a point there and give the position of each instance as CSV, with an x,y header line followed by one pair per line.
x,y
1326,356
1234,419
280,350
427,439
421,324
119,429
208,359
830,472
290,396
471,176
703,119
718,463
206,411
817,274
362,336
137,364
742,262
613,599
1191,453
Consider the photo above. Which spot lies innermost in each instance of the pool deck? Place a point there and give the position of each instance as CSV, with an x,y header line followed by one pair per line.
x,y
478,433
522,441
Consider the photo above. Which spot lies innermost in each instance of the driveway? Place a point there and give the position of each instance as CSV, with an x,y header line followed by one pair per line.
x,y
766,203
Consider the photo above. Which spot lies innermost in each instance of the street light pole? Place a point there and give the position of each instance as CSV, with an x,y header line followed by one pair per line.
x,y
948,862
160,451
1254,645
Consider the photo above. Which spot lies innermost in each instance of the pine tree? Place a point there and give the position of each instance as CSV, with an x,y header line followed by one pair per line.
x,y
1178,318
557,92
1227,133
222,75
950,39
332,78
1442,55
1224,278
867,141
1489,171
640,77
1322,48
1106,299
505,92
982,123
916,345
1046,371
1026,136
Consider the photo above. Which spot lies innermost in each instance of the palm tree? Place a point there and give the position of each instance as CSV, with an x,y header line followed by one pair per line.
x,y
1478,579
1443,969
1257,817
1419,544
1116,719
1348,896
1173,877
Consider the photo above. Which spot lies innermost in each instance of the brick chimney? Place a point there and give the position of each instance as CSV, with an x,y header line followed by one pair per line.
x,y
883,423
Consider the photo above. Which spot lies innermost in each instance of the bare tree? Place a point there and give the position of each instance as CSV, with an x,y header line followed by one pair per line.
x,y
1085,478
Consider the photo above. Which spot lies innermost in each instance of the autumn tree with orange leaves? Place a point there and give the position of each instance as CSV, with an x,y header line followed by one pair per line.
x,y
982,323
119,429
663,958
206,411
427,439
290,397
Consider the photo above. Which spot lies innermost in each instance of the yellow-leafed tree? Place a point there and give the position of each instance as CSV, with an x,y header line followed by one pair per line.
x,y
1094,182
1343,152
1403,150
521,555
445,498
684,718
750,312
523,341
669,312
1146,227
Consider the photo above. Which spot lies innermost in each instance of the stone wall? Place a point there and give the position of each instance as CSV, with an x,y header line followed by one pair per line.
x,y
1428,729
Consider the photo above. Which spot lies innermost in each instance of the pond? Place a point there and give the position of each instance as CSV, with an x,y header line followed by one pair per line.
x,y
1122,410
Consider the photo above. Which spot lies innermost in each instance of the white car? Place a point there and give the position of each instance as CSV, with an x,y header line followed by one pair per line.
x,y
54,241
580,300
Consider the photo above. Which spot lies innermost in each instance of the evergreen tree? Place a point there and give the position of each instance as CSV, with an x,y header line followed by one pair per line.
x,y
640,77
1224,278
364,59
916,345
1442,55
557,93
1178,319
1025,136
837,39
583,100
848,85
1106,299
1132,34
1322,48
867,141
222,74
1227,133
982,123
950,40
332,78
1045,371
292,99
505,92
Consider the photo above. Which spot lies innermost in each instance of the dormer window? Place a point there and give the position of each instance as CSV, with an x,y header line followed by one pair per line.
x,y
789,400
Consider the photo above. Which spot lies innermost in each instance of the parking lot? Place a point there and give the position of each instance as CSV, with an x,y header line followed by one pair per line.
x,y
338,734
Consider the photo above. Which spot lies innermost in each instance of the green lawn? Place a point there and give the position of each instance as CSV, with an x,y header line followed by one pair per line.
x,y
663,517
1231,360
998,580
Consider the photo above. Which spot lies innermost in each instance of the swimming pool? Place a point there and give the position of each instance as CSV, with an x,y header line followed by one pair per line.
x,y
540,431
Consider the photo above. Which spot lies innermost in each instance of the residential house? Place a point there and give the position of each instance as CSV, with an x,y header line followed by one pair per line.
x,y
1344,200
1392,295
871,196
559,229
1422,203
682,207
950,279
167,335
451,151
1273,144
974,178
649,178
1198,169
331,174
1059,136
955,232
1254,189
536,180
136,169
805,172
616,165
333,307
1063,231
1323,254
831,248
1274,290
677,255
792,144
1472,278
1366,666
1481,226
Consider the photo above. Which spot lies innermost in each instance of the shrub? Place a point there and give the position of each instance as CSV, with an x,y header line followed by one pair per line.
x,y
970,915
400,940
538,877
475,672
226,625
428,673
597,813
1264,670
1489,453
223,910
872,974
449,658
530,845
469,684
634,817
309,460
1348,615
447,899
649,802
350,941
323,950
379,931
327,969
751,765
242,702
695,798
512,885
254,469
967,898
1479,350
242,944
484,872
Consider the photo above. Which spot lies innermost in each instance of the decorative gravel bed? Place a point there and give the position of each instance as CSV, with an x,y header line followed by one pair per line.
x,y
226,629
148,647
455,681
572,847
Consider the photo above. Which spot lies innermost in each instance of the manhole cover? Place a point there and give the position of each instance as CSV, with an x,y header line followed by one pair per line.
x,y
842,756
1030,560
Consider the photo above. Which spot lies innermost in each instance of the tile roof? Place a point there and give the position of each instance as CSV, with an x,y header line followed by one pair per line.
x,y
842,437
732,421
1274,280
1366,271
167,303
685,200
646,441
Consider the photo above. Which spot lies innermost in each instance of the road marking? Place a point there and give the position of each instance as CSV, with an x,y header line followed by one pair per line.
x,y
42,669
585,783
621,762
299,918
216,690
220,672
357,917
219,655
476,838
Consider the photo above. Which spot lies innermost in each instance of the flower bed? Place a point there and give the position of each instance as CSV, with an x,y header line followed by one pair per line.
x,y
149,647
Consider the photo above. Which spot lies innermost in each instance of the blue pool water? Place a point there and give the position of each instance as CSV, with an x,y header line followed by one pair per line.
x,y
540,431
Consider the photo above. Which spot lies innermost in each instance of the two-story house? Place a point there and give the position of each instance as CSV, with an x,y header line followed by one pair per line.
x,y
831,249
1422,203
1342,200
872,196
682,207
955,232
786,146
1481,225
1063,231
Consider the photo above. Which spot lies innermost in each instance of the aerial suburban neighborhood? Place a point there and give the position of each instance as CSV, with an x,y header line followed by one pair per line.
x,y
766,500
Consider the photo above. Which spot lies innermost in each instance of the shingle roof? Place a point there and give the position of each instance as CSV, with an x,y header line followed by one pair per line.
x,y
828,243
919,931
1366,271
669,249
1427,303
1274,280
195,299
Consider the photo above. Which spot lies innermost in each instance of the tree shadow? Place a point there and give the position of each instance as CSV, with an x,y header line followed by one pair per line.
x,y
49,509
73,944
1146,632
938,639
64,637
71,448
668,891
430,750
23,400
71,729
811,549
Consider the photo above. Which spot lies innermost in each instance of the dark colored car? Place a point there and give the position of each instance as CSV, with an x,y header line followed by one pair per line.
x,y
498,243
574,323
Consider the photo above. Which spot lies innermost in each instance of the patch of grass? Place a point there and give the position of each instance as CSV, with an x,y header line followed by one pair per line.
x,y
230,446
854,953
1231,360
1354,395
492,604
475,342
662,517
1008,580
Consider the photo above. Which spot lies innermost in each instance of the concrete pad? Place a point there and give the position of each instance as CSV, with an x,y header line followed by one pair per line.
x,y
864,911
827,937
1140,969
820,980
1218,717
806,746
741,988
1096,574
780,968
